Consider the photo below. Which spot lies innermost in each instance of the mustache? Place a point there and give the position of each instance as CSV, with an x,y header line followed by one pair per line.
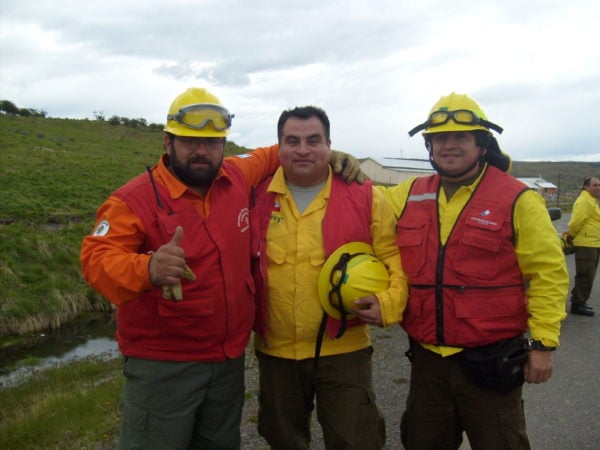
x,y
200,159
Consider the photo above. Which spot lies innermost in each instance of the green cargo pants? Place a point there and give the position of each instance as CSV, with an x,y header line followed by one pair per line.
x,y
182,405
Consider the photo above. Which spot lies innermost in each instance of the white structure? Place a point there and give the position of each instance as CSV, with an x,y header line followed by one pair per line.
x,y
394,170
541,186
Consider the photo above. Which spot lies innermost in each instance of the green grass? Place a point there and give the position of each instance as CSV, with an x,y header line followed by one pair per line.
x,y
69,407
54,173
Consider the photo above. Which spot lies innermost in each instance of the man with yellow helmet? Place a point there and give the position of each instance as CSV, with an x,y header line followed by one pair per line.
x,y
171,250
485,267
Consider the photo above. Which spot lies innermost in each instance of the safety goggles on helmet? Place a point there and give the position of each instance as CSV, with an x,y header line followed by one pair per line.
x,y
336,279
460,116
198,115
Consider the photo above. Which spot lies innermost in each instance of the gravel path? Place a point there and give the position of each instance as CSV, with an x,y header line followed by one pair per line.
x,y
391,372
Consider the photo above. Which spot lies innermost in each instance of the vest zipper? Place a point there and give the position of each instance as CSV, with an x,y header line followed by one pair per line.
x,y
439,295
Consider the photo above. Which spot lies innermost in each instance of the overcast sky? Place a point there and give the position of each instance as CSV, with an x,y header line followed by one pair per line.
x,y
376,67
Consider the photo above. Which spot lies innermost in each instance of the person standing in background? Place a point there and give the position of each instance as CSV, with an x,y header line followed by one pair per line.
x,y
584,227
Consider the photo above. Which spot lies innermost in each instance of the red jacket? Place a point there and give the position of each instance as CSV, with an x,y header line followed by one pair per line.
x,y
341,225
214,319
470,291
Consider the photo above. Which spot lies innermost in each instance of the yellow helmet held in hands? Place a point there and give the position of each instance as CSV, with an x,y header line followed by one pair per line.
x,y
351,272
198,113
455,112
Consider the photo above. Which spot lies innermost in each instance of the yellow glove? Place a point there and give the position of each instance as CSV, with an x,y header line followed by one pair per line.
x,y
175,291
348,166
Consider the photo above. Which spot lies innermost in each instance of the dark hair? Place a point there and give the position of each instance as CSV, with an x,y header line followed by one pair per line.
x,y
303,112
586,182
485,140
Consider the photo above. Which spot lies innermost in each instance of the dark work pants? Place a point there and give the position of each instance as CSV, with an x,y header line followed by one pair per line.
x,y
442,403
586,263
342,387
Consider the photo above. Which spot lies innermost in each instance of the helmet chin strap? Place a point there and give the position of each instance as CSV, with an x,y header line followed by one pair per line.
x,y
453,176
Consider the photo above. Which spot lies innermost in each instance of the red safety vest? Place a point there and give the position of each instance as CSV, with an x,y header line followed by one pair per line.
x,y
214,320
470,291
347,219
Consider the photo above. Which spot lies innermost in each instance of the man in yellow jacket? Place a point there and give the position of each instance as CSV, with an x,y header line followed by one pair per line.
x,y
301,217
485,266
584,226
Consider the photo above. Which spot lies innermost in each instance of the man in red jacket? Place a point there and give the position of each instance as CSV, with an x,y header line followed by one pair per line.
x,y
183,341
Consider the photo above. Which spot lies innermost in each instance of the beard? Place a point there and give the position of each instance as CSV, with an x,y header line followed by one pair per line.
x,y
195,176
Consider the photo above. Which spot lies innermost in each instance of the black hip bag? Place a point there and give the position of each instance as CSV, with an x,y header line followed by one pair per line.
x,y
498,366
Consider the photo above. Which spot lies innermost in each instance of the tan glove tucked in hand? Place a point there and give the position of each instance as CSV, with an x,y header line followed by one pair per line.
x,y
175,291
348,166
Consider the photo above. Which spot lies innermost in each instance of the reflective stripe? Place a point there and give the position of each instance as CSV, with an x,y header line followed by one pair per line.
x,y
422,197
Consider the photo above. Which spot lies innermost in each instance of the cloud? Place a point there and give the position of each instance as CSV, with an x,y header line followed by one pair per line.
x,y
376,67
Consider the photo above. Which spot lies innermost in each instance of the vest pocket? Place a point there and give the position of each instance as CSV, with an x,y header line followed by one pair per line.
x,y
478,253
485,316
204,306
410,241
490,303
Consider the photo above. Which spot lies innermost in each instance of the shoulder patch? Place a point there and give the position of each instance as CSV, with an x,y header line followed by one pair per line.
x,y
102,228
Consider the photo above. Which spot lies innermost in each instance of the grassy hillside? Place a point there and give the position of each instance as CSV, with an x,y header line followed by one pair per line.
x,y
54,173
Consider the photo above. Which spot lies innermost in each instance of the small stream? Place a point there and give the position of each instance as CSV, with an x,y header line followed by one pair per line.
x,y
50,349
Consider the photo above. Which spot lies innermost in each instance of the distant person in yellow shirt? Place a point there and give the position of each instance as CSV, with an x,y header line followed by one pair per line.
x,y
584,227
314,234
485,266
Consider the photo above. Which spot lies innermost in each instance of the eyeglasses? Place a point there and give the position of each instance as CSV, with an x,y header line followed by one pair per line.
x,y
198,115
192,143
460,116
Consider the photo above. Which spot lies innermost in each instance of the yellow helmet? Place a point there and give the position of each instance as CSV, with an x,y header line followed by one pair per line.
x,y
455,112
198,113
351,272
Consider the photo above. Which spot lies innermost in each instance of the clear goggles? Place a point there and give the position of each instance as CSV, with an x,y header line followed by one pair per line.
x,y
198,115
460,116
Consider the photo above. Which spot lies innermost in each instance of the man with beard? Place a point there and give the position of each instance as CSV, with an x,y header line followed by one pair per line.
x,y
171,250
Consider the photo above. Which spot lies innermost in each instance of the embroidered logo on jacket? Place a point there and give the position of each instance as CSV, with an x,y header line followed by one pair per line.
x,y
243,220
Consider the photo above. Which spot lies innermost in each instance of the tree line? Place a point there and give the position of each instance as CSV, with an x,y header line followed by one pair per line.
x,y
8,107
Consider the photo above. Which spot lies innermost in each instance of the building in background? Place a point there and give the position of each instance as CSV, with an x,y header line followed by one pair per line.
x,y
546,189
390,171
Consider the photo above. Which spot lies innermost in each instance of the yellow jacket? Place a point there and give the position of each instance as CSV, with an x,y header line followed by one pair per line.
x,y
296,255
538,251
584,224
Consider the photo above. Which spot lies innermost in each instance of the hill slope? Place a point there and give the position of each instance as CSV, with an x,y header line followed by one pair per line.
x,y
54,173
